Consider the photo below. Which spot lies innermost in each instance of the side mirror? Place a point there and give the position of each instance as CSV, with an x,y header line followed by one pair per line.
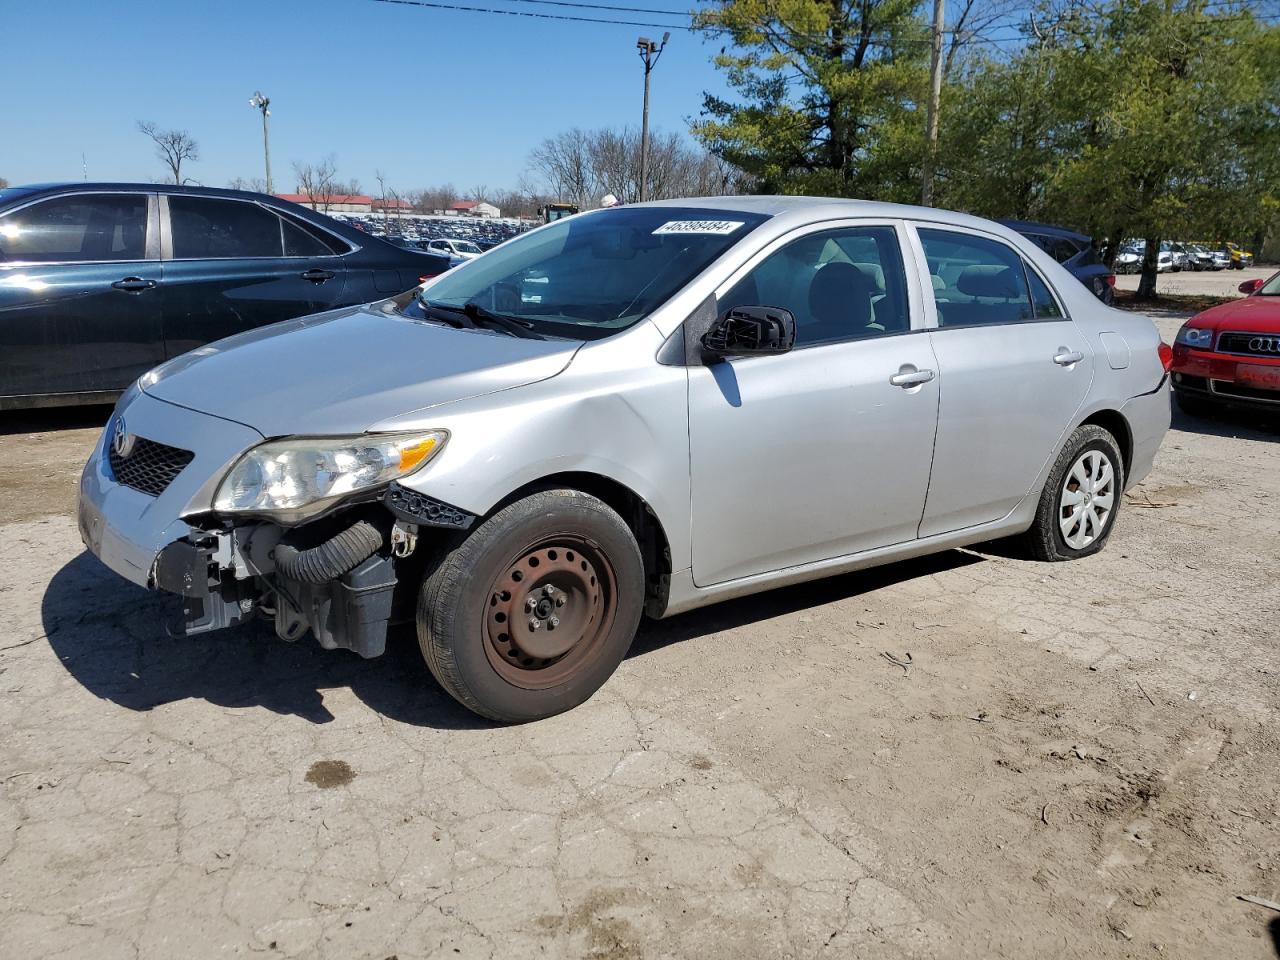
x,y
750,331
1251,286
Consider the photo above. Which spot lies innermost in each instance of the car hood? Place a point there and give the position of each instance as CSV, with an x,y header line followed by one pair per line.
x,y
343,371
1248,315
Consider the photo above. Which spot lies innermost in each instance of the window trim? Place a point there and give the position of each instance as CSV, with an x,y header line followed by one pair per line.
x,y
922,268
166,232
150,245
915,304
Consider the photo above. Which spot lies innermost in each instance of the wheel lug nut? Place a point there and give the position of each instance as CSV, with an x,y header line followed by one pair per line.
x,y
534,623
531,604
549,590
554,621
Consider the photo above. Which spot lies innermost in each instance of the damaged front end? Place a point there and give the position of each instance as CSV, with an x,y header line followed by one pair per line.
x,y
345,577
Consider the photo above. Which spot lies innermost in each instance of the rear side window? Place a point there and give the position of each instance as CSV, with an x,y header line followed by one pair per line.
x,y
78,228
1046,306
205,228
976,281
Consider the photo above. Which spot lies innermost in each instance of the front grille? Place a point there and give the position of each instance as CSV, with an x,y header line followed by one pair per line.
x,y
1250,344
150,467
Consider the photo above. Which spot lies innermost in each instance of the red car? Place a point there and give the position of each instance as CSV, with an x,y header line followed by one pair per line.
x,y
1230,354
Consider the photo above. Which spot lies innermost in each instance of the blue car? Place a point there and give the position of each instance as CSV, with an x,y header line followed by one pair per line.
x,y
1074,251
100,282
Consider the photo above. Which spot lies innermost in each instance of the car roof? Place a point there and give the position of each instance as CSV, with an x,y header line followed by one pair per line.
x,y
1030,226
805,209
92,185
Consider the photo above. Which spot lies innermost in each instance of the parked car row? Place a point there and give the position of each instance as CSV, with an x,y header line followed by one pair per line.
x,y
100,282
1175,256
482,232
1073,250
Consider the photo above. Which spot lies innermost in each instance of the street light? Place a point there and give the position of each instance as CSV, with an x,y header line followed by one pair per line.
x,y
263,103
649,53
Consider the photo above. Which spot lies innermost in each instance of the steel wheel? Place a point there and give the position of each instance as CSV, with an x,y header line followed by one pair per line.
x,y
549,612
1087,500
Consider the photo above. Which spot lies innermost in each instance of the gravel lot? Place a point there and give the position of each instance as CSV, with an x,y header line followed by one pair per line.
x,y
1084,760
1213,283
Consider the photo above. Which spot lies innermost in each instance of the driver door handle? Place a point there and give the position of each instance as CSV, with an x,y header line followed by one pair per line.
x,y
318,276
1065,357
133,284
911,378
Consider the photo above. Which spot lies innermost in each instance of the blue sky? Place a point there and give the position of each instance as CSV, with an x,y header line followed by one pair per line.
x,y
428,96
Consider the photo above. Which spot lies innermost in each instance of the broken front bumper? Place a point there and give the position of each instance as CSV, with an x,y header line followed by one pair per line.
x,y
127,528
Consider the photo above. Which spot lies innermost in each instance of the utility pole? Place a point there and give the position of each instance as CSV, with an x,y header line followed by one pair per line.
x,y
935,95
649,53
263,103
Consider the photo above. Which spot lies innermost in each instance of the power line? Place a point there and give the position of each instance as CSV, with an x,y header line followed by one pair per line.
x,y
534,14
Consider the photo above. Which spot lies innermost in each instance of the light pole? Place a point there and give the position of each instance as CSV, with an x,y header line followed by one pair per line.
x,y
649,53
263,103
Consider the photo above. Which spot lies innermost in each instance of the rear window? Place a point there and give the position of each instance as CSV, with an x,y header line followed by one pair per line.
x,y
205,228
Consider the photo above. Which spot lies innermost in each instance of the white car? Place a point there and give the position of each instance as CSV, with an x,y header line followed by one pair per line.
x,y
457,251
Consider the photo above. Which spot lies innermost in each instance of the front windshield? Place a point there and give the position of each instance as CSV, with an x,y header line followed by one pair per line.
x,y
463,247
1271,288
589,276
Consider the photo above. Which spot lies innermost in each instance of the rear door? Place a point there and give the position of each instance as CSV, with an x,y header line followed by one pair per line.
x,y
1013,372
231,265
79,293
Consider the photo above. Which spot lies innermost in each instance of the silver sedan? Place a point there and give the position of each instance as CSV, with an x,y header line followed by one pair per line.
x,y
639,410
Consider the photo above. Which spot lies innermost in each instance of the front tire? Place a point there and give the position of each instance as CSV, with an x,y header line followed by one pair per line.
x,y
1078,506
532,612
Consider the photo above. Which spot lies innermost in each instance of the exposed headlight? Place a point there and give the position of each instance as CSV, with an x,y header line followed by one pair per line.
x,y
1190,336
293,479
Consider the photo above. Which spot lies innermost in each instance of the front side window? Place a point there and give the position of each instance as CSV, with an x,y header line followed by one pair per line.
x,y
77,228
844,284
976,281
590,276
209,229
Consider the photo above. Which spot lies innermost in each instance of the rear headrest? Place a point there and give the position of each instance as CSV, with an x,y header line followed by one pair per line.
x,y
991,282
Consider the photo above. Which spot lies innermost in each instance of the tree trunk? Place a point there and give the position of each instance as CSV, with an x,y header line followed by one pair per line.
x,y
1150,259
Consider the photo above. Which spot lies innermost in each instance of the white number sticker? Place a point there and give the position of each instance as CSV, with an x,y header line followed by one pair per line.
x,y
699,226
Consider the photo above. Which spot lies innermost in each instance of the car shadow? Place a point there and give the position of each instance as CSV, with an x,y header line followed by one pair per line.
x,y
53,419
1274,928
111,637
1236,422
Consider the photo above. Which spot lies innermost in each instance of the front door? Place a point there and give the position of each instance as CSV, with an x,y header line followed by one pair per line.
x,y
1014,370
231,265
823,451
79,294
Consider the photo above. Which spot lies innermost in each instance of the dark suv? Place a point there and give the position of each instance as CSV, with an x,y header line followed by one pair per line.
x,y
100,282
1074,251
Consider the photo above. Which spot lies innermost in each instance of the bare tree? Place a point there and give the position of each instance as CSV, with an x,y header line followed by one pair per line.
x,y
565,164
480,193
3,183
316,181
172,146
255,184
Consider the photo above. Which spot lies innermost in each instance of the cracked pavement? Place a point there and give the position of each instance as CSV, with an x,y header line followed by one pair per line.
x,y
756,781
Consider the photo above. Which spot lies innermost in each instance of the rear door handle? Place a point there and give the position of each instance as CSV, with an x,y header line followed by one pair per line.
x,y
909,376
318,276
1065,357
133,284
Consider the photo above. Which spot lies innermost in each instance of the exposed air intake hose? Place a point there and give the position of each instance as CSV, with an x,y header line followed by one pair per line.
x,y
331,559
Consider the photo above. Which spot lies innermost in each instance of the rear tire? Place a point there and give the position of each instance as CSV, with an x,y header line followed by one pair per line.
x,y
530,614
1078,506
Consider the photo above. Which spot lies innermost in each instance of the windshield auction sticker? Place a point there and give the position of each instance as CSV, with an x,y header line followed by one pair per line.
x,y
699,226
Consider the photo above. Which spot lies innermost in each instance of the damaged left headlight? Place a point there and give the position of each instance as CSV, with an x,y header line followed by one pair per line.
x,y
293,479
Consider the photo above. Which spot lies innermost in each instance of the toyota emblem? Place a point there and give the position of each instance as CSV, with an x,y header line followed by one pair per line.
x,y
122,440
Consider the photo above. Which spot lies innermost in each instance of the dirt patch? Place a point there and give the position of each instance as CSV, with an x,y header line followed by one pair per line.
x,y
327,774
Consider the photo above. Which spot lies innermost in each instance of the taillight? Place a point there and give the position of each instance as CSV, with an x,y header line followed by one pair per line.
x,y
1111,279
1166,356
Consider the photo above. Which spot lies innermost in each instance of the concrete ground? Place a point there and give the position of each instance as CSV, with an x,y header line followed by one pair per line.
x,y
1213,283
1083,760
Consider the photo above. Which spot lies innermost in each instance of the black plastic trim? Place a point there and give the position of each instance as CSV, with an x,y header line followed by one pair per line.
x,y
414,507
